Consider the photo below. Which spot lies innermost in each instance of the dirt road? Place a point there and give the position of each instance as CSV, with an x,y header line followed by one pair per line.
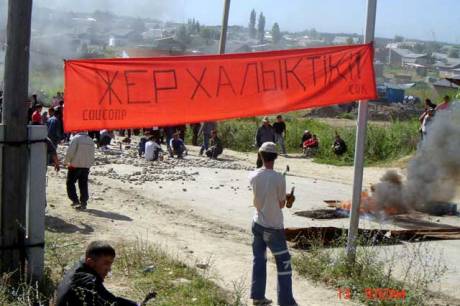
x,y
199,210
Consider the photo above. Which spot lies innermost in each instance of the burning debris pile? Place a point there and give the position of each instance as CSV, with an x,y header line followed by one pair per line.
x,y
433,175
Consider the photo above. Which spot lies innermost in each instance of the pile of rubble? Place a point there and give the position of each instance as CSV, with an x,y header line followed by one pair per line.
x,y
168,169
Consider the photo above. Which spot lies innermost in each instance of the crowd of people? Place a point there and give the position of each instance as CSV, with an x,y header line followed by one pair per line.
x,y
309,143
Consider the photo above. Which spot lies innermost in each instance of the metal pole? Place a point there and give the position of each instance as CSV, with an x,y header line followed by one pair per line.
x,y
14,146
360,145
223,33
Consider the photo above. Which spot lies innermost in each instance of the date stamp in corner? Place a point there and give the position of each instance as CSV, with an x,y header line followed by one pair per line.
x,y
374,294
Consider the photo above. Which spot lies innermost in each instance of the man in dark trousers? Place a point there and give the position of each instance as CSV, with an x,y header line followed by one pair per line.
x,y
265,133
206,129
79,159
280,133
84,284
195,130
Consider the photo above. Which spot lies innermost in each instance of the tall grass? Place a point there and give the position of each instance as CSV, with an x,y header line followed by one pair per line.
x,y
374,269
139,268
384,143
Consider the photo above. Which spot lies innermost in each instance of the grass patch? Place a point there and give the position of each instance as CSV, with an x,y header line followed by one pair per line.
x,y
175,283
384,143
139,268
412,271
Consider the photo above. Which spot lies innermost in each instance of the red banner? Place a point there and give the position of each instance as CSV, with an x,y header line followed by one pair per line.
x,y
146,92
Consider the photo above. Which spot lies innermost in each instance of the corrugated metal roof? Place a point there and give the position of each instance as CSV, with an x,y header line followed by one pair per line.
x,y
408,53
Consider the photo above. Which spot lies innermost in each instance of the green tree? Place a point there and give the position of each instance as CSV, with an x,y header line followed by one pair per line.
x,y
419,48
138,25
349,41
453,53
252,24
398,38
182,35
276,33
261,28
206,34
313,33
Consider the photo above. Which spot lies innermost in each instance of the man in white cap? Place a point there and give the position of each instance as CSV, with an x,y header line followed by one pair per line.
x,y
269,188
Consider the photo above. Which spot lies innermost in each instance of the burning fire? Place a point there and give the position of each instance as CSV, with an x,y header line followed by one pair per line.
x,y
368,206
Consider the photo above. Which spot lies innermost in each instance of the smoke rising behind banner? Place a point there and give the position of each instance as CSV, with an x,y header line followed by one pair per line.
x,y
146,92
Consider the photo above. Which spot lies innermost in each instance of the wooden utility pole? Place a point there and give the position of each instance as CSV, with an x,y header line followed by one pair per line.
x,y
13,135
223,33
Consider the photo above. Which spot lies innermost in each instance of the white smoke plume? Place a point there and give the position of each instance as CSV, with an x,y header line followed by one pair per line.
x,y
433,174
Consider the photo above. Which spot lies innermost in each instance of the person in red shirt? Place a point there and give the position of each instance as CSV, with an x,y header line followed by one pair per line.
x,y
37,115
310,146
444,104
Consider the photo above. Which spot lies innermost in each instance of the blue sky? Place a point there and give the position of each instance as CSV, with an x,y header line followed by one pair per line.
x,y
419,19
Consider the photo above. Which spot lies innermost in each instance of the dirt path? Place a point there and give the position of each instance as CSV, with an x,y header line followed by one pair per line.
x,y
198,210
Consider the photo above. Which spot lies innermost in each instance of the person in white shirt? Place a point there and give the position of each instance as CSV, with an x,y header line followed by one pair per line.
x,y
269,188
79,159
152,149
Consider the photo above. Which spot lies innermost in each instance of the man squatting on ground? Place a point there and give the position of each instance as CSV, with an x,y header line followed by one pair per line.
x,y
269,188
83,284
79,158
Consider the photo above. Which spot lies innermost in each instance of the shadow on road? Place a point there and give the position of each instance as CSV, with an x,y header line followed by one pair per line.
x,y
107,214
57,225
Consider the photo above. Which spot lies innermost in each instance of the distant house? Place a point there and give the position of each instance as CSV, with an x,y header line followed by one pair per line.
x,y
446,87
343,40
381,54
169,44
149,52
378,68
402,57
261,47
447,66
123,37
152,34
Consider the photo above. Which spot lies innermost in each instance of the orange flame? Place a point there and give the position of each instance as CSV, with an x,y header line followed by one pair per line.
x,y
368,205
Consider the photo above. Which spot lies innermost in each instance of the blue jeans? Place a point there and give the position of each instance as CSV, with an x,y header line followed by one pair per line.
x,y
275,240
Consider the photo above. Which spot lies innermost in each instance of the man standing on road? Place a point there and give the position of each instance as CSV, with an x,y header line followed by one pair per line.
x,y
206,129
264,133
79,158
269,188
280,133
